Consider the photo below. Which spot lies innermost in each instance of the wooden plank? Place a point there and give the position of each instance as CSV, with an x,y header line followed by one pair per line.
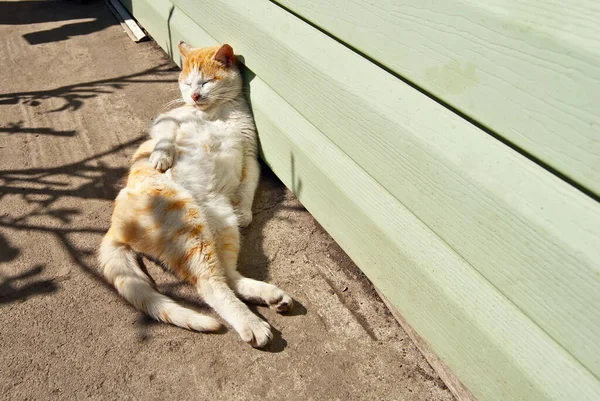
x,y
121,21
527,69
129,25
460,392
530,234
497,351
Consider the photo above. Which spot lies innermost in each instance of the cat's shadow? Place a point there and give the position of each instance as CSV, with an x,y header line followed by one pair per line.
x,y
270,194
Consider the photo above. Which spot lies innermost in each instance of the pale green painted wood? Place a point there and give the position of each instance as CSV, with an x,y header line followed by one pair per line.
x,y
494,348
527,69
497,351
533,236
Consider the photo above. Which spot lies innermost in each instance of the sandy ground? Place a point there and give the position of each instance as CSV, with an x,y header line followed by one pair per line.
x,y
77,95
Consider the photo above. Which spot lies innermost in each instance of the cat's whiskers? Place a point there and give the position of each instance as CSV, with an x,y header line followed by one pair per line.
x,y
173,103
217,97
226,94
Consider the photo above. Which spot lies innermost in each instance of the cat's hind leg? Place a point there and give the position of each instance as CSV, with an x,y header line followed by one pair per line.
x,y
220,256
259,292
184,239
212,285
227,237
217,293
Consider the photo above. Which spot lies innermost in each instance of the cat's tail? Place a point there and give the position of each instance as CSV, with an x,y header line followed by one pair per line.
x,y
121,268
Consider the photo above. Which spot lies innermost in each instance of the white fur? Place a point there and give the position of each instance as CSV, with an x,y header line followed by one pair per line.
x,y
209,148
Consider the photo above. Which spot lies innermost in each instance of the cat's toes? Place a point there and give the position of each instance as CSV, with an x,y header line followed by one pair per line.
x,y
245,218
160,160
284,303
277,299
256,332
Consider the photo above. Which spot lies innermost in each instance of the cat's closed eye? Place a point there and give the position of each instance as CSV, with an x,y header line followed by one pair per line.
x,y
207,81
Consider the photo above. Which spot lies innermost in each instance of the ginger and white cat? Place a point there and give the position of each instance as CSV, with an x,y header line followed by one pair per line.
x,y
189,189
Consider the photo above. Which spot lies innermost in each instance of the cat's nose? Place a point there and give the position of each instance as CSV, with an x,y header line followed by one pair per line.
x,y
195,97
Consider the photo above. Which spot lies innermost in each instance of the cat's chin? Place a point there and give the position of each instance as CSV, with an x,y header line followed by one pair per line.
x,y
202,106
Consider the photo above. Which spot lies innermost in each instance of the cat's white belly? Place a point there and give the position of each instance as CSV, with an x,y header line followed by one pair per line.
x,y
209,160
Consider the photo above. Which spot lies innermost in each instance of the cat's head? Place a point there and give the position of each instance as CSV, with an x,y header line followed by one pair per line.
x,y
209,76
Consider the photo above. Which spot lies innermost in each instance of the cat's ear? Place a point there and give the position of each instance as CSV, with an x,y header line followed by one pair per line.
x,y
184,48
225,56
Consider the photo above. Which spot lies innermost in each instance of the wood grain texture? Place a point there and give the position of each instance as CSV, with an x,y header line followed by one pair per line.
x,y
527,69
498,351
530,234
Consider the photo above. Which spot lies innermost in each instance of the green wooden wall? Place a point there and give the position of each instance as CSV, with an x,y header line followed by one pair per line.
x,y
475,232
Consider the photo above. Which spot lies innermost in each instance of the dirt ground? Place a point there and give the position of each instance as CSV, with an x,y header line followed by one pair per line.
x,y
77,95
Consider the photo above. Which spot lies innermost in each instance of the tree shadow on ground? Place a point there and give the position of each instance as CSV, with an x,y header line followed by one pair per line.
x,y
92,178
10,288
18,128
73,96
43,188
12,292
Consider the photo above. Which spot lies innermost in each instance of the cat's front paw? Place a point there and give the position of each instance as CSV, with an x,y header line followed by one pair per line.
x,y
255,331
245,218
161,160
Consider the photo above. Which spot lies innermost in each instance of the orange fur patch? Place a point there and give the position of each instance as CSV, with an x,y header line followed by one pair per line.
x,y
191,252
144,151
153,196
154,191
202,60
231,238
169,192
230,247
141,154
165,317
180,269
193,213
195,231
176,205
180,231
139,173
152,229
130,232
145,209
